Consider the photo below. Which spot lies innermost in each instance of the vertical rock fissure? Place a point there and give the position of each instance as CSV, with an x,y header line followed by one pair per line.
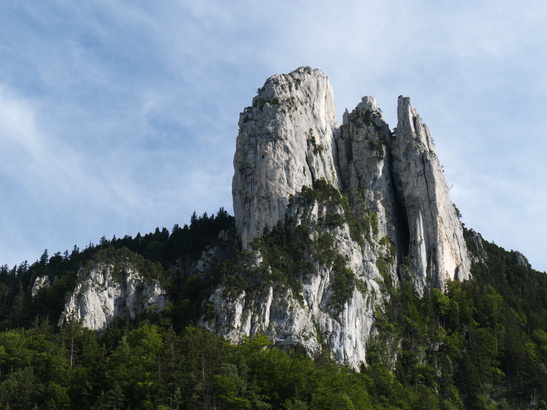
x,y
309,165
336,158
402,228
426,180
431,267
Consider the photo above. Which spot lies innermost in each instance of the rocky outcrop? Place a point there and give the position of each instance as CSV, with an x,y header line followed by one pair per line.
x,y
340,290
104,294
39,283
380,197
364,160
436,247
289,138
285,141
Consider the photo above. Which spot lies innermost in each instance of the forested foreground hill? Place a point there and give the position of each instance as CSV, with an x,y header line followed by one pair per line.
x,y
480,344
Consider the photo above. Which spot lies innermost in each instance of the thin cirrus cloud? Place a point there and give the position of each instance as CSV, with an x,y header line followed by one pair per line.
x,y
121,116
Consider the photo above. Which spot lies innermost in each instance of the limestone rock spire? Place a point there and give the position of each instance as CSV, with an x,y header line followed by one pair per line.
x,y
391,220
364,160
289,138
285,141
436,247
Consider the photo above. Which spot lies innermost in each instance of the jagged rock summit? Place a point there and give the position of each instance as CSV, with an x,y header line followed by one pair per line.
x,y
330,216
436,244
289,138
285,142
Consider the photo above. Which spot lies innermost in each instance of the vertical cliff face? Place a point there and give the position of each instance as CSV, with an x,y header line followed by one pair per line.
x,y
285,142
347,209
436,248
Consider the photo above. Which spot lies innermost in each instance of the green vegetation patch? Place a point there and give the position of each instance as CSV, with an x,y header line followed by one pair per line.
x,y
349,207
121,260
292,251
480,344
286,260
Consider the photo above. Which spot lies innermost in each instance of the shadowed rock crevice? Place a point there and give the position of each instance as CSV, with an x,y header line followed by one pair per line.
x,y
402,230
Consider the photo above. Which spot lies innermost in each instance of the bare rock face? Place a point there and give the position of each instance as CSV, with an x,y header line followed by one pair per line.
x,y
39,283
335,304
99,297
285,142
363,143
436,247
372,208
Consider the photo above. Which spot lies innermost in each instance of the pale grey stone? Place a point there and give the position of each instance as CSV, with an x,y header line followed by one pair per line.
x,y
289,138
99,298
285,141
437,251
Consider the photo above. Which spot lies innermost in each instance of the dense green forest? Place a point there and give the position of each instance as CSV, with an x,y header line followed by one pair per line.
x,y
481,344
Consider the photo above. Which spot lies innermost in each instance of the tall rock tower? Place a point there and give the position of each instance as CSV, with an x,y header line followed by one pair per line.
x,y
347,210
285,141
364,160
436,248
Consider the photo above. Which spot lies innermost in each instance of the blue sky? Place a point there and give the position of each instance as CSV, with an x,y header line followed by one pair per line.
x,y
120,116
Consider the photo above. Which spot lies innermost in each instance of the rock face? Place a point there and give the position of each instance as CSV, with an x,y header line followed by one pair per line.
x,y
371,207
99,297
364,160
436,245
285,141
39,283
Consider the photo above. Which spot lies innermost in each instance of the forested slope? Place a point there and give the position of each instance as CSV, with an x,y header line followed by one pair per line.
x,y
480,344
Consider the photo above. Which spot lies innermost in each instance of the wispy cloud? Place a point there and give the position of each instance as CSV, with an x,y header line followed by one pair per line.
x,y
120,116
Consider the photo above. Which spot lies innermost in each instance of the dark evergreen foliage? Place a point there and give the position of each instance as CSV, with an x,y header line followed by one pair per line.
x,y
155,254
480,344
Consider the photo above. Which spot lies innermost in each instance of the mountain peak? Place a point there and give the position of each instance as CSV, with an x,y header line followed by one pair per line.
x,y
436,245
376,202
289,138
285,142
